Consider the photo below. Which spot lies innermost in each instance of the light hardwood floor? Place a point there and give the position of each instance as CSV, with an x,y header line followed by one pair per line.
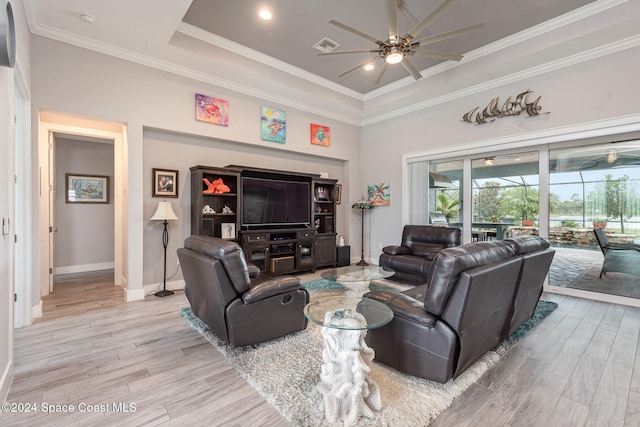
x,y
580,366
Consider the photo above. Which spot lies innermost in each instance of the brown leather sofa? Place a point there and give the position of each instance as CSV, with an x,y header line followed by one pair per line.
x,y
475,295
242,311
412,259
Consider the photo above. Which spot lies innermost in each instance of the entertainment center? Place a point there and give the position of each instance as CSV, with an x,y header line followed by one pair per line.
x,y
284,221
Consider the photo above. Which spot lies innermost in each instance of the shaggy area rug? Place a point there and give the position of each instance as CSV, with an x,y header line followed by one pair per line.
x,y
285,371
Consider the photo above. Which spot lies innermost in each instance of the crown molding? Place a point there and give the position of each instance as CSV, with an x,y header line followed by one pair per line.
x,y
169,67
238,49
569,61
187,29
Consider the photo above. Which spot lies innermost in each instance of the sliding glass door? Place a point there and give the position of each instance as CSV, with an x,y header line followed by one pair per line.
x,y
596,186
560,192
505,195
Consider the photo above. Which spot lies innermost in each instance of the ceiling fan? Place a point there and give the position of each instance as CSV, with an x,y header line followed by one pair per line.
x,y
396,48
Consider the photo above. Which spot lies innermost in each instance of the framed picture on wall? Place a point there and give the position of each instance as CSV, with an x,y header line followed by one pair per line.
x,y
86,188
338,193
165,183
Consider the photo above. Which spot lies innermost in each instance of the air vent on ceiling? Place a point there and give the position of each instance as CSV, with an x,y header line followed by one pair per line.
x,y
326,45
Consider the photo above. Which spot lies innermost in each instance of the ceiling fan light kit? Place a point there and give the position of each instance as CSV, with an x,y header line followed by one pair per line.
x,y
395,49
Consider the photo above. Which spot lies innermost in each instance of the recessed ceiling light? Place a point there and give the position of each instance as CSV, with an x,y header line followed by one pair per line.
x,y
265,14
369,67
89,19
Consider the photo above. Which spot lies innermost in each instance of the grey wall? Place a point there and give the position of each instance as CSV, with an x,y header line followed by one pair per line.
x,y
166,150
149,99
85,238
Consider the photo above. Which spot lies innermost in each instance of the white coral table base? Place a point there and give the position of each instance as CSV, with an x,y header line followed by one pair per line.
x,y
347,390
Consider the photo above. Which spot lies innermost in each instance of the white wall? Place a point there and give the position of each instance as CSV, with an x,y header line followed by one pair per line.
x,y
85,236
7,79
597,85
93,85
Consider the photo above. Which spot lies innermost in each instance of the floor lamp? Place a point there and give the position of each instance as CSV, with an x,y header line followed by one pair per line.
x,y
164,213
363,205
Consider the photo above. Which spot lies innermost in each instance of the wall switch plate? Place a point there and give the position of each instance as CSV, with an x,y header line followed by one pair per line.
x,y
5,226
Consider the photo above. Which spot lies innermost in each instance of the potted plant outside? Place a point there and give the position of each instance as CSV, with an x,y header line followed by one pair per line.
x,y
600,223
447,206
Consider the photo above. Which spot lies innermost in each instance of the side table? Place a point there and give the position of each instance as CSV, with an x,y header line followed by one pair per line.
x,y
347,390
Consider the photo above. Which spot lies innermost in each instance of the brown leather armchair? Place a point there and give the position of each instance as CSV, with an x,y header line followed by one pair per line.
x,y
411,260
241,311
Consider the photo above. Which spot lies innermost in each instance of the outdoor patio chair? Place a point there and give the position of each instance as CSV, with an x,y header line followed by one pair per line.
x,y
621,258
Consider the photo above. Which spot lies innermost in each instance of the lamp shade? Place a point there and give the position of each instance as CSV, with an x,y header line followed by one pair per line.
x,y
164,212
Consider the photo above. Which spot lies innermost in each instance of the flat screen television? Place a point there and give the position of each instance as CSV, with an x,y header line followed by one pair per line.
x,y
275,202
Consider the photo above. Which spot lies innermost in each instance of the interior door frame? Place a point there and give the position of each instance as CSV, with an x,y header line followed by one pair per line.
x,y
57,123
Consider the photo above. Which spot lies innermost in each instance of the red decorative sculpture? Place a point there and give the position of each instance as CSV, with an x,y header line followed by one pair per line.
x,y
216,186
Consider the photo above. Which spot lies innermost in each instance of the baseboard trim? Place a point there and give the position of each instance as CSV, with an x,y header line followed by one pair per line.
x,y
84,268
134,294
36,310
5,382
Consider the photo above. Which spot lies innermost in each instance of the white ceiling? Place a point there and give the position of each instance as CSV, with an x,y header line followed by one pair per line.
x,y
156,29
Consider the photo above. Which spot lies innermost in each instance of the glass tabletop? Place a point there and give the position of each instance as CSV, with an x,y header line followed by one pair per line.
x,y
357,273
345,312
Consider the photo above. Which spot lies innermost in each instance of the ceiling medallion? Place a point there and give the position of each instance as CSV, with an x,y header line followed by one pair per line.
x,y
509,108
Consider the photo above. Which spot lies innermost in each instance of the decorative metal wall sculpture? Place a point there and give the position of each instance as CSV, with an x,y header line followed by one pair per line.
x,y
509,108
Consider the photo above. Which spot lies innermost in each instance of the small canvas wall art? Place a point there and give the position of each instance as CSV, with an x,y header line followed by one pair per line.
x,y
320,135
379,194
212,110
273,125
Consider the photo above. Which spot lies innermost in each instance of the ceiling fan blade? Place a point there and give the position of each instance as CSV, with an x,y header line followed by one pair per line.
x,y
362,64
436,54
392,14
420,26
447,35
356,32
382,70
349,51
411,69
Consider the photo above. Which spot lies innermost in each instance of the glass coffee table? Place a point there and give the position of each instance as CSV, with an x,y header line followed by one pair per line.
x,y
355,278
347,390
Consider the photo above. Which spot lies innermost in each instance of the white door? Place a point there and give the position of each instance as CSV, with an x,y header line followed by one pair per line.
x,y
52,208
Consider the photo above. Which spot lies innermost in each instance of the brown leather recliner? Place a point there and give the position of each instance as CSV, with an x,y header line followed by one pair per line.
x,y
222,295
475,295
411,260
440,329
537,257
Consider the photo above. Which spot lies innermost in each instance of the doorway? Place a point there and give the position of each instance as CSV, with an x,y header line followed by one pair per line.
x,y
80,134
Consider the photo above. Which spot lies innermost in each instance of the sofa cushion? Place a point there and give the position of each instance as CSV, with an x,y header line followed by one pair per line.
x,y
229,253
449,263
407,263
426,250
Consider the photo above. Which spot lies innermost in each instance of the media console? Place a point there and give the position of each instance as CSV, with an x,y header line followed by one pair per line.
x,y
281,251
274,247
